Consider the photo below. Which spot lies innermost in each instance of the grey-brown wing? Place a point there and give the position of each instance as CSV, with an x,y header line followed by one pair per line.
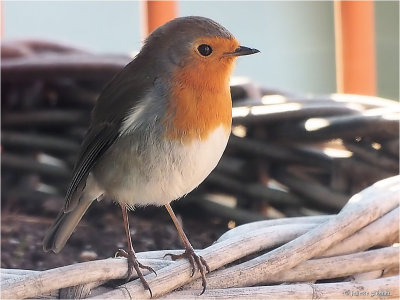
x,y
96,142
116,100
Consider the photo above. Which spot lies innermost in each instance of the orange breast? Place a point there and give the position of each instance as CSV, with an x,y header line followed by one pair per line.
x,y
200,101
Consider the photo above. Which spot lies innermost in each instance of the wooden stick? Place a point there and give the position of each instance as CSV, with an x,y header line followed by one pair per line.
x,y
88,272
387,287
38,142
45,118
29,286
361,209
354,168
231,165
299,273
279,152
259,114
376,126
374,157
80,291
232,213
75,95
364,101
246,228
380,232
367,237
315,269
391,147
35,46
18,163
253,190
227,274
315,194
77,66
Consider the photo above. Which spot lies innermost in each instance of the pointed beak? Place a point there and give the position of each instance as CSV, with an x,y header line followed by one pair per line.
x,y
242,50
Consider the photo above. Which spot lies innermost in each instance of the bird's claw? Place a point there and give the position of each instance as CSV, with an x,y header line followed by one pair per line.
x,y
195,261
133,263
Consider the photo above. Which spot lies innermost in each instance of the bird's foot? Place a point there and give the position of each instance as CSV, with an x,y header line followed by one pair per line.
x,y
196,261
133,263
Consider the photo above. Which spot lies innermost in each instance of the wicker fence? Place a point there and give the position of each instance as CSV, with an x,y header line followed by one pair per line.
x,y
288,156
309,249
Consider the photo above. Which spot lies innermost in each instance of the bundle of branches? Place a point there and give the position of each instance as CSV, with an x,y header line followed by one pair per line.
x,y
338,256
287,156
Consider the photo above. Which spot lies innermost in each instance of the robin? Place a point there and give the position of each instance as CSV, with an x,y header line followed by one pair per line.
x,y
157,130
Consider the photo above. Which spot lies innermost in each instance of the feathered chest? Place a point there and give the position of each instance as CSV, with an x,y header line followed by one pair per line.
x,y
197,105
194,114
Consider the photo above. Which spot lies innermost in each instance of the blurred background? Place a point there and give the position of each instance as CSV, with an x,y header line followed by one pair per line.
x,y
296,38
315,116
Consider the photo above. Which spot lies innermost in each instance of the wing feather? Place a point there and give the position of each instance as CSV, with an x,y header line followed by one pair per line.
x,y
97,141
116,100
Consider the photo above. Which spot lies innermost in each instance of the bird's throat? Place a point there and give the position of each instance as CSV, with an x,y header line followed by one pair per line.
x,y
196,110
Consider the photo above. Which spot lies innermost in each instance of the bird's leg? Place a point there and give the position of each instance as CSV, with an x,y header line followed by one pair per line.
x,y
131,256
194,259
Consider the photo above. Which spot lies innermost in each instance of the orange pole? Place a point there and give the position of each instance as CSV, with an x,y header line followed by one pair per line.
x,y
355,47
156,13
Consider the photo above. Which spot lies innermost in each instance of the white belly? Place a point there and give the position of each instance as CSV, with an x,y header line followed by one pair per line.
x,y
165,172
198,160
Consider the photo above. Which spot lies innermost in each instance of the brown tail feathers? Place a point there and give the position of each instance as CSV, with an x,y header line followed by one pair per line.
x,y
63,227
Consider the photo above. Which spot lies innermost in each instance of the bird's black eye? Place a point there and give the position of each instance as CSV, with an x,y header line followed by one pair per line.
x,y
204,49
